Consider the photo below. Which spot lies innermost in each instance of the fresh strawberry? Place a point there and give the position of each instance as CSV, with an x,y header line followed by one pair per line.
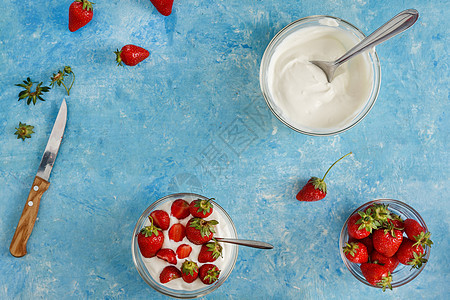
x,y
169,273
379,212
167,255
377,275
177,232
398,224
131,55
189,271
356,252
180,209
184,251
411,253
200,231
201,208
80,13
163,6
161,219
210,252
387,240
316,188
389,262
417,233
361,224
367,241
209,273
150,240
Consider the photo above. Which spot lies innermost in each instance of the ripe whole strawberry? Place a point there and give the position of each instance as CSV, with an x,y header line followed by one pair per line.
x,y
169,273
377,275
389,262
210,252
161,219
387,240
209,273
150,240
417,233
360,225
189,271
80,13
201,208
131,55
356,252
410,253
200,231
164,7
316,188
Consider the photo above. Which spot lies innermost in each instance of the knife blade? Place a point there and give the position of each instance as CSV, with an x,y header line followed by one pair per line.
x,y
18,247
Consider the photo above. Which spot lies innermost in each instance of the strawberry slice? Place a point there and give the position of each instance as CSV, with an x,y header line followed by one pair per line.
x,y
180,209
167,255
177,232
169,273
183,251
161,219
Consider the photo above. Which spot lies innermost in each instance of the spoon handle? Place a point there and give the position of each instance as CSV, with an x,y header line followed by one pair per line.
x,y
391,28
248,243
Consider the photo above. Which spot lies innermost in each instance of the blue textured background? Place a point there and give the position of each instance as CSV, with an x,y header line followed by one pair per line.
x,y
192,118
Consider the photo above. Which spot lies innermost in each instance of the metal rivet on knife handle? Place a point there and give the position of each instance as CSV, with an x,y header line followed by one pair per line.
x,y
18,246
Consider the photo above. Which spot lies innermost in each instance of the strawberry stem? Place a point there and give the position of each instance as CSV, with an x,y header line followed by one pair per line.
x,y
334,164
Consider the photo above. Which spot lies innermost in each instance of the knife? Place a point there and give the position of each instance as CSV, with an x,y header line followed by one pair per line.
x,y
18,247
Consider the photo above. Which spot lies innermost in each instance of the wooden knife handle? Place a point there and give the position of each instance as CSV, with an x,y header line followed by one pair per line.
x,y
18,247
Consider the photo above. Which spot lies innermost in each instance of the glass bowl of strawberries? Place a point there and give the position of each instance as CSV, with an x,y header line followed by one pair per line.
x,y
174,247
385,243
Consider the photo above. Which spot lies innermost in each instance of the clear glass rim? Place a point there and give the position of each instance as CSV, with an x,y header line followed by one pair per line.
x,y
343,233
370,101
171,292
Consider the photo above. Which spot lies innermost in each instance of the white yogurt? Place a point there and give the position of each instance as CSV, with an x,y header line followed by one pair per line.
x,y
155,265
300,90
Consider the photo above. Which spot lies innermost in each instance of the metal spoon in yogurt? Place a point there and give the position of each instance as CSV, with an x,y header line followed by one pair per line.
x,y
396,25
248,243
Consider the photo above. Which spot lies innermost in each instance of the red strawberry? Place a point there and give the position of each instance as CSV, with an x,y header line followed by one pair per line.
x,y
80,13
377,275
210,252
367,241
411,254
169,273
361,224
167,255
150,240
131,55
177,232
189,271
316,188
417,233
163,6
201,208
209,273
356,252
387,241
184,251
389,262
200,231
161,219
180,209
398,224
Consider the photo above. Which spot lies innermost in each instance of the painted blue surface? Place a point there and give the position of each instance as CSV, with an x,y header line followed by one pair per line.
x,y
191,118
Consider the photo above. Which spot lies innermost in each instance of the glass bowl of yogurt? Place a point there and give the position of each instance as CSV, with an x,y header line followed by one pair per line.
x,y
150,268
402,274
298,93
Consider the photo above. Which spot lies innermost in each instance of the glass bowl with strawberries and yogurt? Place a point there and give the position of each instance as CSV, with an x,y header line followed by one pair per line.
x,y
164,263
396,250
298,93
